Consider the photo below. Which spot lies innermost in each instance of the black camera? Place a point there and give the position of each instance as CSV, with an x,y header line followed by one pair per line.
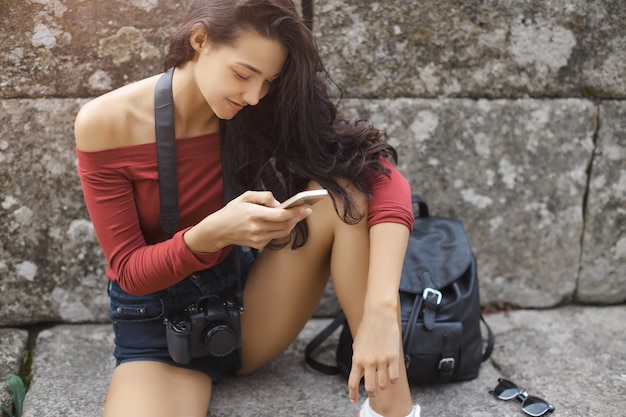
x,y
210,327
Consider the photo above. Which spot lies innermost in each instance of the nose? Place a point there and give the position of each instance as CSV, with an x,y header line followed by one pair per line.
x,y
254,93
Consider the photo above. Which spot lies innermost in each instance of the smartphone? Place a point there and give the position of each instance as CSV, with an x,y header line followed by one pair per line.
x,y
307,198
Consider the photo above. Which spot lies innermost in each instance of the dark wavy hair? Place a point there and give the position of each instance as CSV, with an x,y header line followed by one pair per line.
x,y
295,134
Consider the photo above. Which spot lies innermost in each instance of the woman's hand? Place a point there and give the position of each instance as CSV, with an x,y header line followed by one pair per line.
x,y
376,351
252,220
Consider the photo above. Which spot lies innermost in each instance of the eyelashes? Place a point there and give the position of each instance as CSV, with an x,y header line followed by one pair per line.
x,y
242,77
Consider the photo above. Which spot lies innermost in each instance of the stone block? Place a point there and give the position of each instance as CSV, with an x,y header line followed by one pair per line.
x,y
603,273
473,48
12,347
74,48
83,48
514,172
71,371
51,266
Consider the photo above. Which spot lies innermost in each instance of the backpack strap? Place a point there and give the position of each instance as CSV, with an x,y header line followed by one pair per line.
x,y
339,320
407,336
491,340
448,362
420,208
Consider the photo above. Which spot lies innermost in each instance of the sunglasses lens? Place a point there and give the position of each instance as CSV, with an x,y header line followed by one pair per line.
x,y
506,390
534,406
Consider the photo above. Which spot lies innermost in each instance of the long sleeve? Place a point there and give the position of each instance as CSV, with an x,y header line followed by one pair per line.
x,y
120,188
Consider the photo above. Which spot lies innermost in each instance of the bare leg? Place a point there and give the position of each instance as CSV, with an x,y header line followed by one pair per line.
x,y
153,389
282,291
285,286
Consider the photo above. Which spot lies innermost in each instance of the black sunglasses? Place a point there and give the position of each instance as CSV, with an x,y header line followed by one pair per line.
x,y
533,406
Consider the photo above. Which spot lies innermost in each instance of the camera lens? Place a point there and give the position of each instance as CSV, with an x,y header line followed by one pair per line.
x,y
220,340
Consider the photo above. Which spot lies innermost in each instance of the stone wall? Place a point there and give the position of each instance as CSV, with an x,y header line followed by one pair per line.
x,y
508,116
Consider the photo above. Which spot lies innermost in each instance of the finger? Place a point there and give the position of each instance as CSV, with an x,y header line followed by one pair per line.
x,y
303,213
290,217
264,198
394,371
370,381
267,227
354,380
381,377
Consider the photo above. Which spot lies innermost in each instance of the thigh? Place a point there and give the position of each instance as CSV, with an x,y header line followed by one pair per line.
x,y
153,389
283,289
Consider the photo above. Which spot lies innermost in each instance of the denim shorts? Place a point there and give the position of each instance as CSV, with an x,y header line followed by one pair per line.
x,y
140,333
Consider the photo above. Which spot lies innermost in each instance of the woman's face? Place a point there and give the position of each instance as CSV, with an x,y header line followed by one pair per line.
x,y
233,76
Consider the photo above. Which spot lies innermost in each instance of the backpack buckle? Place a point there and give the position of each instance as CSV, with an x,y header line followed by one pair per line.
x,y
431,291
446,365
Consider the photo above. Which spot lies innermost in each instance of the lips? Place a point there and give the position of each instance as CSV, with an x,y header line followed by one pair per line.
x,y
234,105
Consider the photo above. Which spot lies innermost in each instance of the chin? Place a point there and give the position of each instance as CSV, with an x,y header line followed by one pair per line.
x,y
226,115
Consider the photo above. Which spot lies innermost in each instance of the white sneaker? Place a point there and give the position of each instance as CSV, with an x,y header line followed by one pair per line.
x,y
366,410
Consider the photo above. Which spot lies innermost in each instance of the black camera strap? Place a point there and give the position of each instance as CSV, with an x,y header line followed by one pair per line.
x,y
166,163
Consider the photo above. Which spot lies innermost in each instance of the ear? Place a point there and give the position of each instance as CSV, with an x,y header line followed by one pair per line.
x,y
198,39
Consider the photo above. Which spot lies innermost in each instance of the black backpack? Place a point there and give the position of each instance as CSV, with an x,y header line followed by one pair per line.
x,y
441,313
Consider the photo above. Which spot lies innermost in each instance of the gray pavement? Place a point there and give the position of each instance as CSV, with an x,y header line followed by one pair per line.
x,y
575,357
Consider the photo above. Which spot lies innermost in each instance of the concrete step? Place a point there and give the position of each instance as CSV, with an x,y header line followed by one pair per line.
x,y
574,357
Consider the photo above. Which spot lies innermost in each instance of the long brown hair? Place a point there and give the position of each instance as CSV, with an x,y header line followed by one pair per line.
x,y
294,134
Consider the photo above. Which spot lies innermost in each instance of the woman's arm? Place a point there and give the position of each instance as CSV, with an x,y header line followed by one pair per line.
x,y
378,339
116,166
138,267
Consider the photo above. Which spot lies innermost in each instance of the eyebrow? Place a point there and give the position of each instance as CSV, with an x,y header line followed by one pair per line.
x,y
253,69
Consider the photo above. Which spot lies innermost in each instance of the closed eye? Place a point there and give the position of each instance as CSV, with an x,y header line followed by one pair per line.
x,y
241,76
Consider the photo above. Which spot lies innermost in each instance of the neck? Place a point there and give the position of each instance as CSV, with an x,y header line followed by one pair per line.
x,y
192,114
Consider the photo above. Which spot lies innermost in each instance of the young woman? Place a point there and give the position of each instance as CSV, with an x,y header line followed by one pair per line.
x,y
249,71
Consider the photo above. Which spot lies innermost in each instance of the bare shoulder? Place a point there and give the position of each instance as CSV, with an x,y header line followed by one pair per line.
x,y
122,117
